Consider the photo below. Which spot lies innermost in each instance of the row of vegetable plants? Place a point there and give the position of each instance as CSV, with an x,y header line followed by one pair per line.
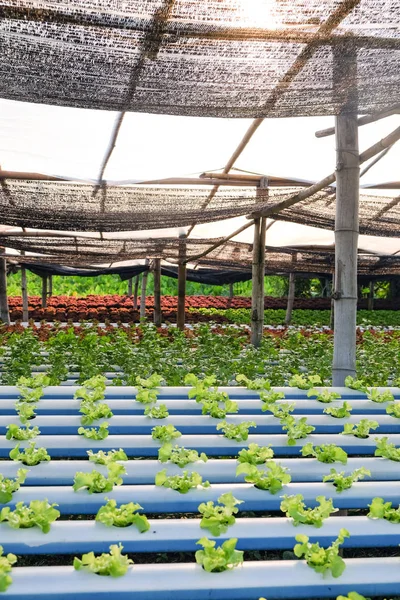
x,y
215,517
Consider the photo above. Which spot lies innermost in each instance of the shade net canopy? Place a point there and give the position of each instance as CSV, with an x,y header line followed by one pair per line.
x,y
226,58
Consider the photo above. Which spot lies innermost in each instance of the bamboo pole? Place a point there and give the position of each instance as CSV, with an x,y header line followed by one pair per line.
x,y
370,303
24,291
290,299
44,291
50,292
231,291
130,287
143,294
258,273
157,292
394,110
346,226
135,292
4,312
180,319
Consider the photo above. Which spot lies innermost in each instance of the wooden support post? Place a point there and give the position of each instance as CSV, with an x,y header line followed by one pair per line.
x,y
130,281
135,292
370,304
347,220
44,291
180,319
231,291
4,312
258,273
157,292
50,292
143,294
24,291
290,299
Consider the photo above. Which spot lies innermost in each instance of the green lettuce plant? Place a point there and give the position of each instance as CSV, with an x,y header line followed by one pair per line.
x,y
326,453
178,455
254,384
239,432
272,478
376,396
95,482
222,558
295,508
114,564
92,412
106,458
379,509
296,429
181,483
94,433
9,486
218,517
156,412
15,432
39,513
341,412
322,560
124,515
386,450
361,429
30,456
324,396
6,563
343,482
165,433
255,454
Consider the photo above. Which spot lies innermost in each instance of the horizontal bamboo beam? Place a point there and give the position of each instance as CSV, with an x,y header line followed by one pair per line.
x,y
249,179
389,140
388,112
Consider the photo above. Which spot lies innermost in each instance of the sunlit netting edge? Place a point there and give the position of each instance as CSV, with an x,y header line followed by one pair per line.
x,y
379,215
220,58
73,206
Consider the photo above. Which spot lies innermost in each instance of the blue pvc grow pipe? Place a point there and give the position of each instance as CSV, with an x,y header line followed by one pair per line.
x,y
212,445
216,471
276,580
182,406
164,500
194,424
181,535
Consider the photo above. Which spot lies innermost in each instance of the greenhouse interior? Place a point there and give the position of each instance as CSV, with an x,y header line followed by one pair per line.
x,y
200,300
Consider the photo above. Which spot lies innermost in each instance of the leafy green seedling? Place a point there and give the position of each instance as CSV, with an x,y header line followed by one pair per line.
x,y
341,412
181,483
352,596
30,456
296,430
217,518
361,430
326,453
156,412
165,433
272,478
217,560
124,515
218,409
294,508
92,389
92,412
270,398
255,454
95,482
239,432
15,432
179,455
379,509
9,486
40,380
343,482
39,513
95,433
105,458
6,563
254,384
200,387
386,450
322,560
25,411
280,411
324,396
305,382
114,564
376,396
394,410
355,384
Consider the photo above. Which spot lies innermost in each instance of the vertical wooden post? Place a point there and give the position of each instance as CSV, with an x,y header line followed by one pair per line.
x,y
231,291
24,291
143,294
180,318
290,299
346,221
4,312
50,292
44,291
370,304
157,292
135,292
130,287
258,272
